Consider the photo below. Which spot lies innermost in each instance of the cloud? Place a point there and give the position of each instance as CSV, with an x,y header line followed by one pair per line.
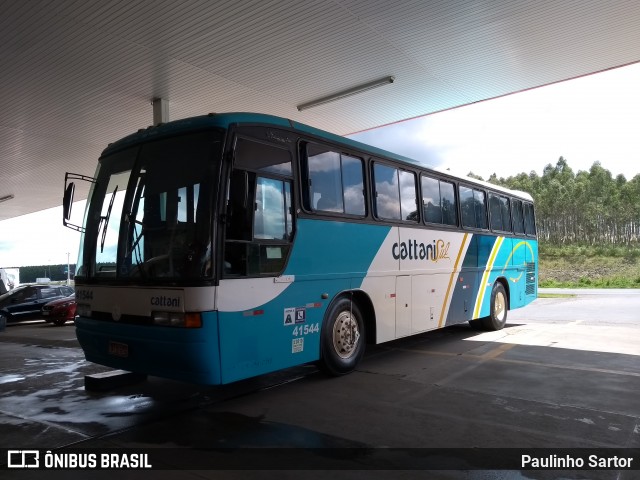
x,y
37,239
589,119
408,138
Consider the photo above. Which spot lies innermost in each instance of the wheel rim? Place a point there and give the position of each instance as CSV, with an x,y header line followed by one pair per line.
x,y
346,335
499,307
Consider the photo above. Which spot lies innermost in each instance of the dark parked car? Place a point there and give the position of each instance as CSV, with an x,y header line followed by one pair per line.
x,y
29,299
61,310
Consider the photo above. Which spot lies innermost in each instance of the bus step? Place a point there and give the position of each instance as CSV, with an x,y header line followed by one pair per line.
x,y
111,380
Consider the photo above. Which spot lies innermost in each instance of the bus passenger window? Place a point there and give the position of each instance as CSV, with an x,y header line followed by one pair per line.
x,y
468,207
387,192
518,218
500,213
529,220
408,196
395,193
481,208
448,199
336,181
438,202
431,200
326,180
505,210
494,210
353,185
474,208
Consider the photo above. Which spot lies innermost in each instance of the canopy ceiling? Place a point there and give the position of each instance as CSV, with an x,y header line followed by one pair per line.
x,y
79,74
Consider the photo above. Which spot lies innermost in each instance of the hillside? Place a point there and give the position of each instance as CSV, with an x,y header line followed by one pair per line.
x,y
589,267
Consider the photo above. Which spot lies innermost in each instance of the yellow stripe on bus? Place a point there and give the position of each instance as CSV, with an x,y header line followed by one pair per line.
x,y
523,243
482,288
451,279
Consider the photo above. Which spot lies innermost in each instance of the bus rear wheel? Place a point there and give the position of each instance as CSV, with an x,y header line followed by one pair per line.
x,y
342,338
499,305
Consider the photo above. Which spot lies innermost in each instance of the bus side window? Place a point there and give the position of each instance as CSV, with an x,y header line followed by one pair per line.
x,y
481,208
518,218
431,200
272,219
325,177
494,212
259,214
500,213
473,204
438,201
395,193
468,207
448,199
529,220
336,181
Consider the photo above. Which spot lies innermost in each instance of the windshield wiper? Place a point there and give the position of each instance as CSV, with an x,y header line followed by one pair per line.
x,y
106,219
135,247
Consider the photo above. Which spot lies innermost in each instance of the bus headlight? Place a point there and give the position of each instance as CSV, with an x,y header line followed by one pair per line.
x,y
177,319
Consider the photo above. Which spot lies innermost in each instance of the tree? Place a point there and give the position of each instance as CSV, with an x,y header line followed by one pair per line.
x,y
587,207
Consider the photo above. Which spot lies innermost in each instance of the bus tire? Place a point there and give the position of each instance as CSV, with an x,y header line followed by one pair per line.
x,y
498,309
342,340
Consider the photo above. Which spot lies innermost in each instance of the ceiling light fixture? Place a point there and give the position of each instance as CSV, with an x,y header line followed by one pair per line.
x,y
6,197
346,93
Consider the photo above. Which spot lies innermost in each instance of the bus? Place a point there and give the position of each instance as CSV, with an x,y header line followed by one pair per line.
x,y
226,246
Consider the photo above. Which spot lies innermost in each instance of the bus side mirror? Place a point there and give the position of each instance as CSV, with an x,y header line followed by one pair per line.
x,y
67,202
67,199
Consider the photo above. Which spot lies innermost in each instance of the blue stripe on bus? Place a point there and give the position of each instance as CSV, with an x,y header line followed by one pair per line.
x,y
328,257
510,263
179,353
328,248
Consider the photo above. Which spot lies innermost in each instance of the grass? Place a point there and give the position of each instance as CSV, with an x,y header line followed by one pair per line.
x,y
577,266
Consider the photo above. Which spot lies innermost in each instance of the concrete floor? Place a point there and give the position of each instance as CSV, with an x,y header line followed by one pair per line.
x,y
563,374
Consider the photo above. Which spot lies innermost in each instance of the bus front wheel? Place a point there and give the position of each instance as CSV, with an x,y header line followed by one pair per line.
x,y
342,338
499,305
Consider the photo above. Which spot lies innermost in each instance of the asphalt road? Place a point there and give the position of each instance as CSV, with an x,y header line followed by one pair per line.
x,y
563,374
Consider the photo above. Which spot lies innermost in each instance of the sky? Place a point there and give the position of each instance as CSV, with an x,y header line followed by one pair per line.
x,y
589,119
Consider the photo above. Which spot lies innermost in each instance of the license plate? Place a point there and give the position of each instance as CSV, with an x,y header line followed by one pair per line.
x,y
118,349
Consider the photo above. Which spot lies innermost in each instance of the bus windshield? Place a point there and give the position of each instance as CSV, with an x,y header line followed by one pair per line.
x,y
149,213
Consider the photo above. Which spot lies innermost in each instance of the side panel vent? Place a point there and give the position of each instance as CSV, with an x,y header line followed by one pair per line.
x,y
530,285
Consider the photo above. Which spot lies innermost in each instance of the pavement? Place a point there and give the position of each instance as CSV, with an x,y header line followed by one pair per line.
x,y
563,375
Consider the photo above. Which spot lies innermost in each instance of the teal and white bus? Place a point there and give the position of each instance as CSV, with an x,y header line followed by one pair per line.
x,y
225,246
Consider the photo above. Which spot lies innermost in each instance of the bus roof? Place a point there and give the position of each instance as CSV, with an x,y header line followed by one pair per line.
x,y
225,120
